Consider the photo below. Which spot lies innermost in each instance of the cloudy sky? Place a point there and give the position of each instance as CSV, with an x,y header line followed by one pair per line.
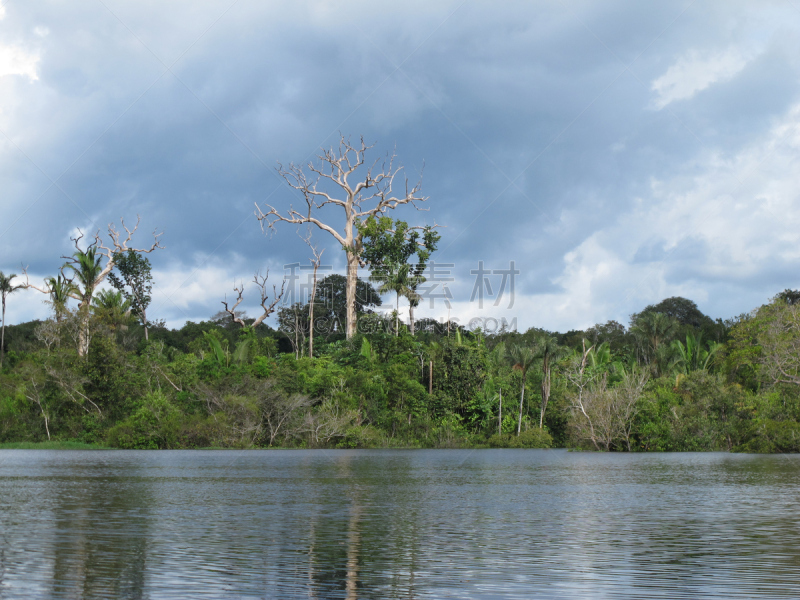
x,y
618,152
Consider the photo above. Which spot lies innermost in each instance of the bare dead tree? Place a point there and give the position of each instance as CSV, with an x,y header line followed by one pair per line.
x,y
361,192
48,333
315,262
779,338
627,395
278,412
581,380
234,409
328,421
33,387
261,282
601,415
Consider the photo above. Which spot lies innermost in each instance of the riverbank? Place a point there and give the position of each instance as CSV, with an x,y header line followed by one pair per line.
x,y
52,445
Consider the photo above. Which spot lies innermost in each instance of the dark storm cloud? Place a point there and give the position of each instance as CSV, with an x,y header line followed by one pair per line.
x,y
538,125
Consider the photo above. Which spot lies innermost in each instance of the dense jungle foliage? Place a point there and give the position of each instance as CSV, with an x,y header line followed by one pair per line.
x,y
673,380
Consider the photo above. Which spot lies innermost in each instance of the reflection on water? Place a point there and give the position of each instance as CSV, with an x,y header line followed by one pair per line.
x,y
398,524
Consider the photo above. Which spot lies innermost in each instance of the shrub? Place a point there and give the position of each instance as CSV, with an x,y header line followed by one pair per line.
x,y
156,424
773,436
533,438
365,436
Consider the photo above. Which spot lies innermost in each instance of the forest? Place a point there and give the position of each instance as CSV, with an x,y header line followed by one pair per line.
x,y
672,380
337,372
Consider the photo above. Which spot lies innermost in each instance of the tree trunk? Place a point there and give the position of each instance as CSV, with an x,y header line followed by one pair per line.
x,y
500,415
311,310
411,317
83,331
311,325
397,315
545,390
296,335
352,280
521,398
3,335
430,378
46,424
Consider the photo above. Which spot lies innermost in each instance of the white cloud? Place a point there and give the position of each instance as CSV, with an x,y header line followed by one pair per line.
x,y
721,235
27,304
694,72
182,292
722,229
16,61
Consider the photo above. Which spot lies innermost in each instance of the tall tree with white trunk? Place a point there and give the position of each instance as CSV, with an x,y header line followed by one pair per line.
x,y
6,289
342,178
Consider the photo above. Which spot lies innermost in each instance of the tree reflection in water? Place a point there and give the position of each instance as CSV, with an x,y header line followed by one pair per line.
x,y
397,524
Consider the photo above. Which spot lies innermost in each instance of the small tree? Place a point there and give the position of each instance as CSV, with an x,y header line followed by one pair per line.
x,y
771,340
135,282
602,415
586,387
6,289
293,321
315,263
112,308
389,246
60,290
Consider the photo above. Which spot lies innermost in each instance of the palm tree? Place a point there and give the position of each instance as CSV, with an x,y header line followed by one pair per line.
x,y
600,356
6,289
86,268
112,307
549,351
653,331
521,357
394,278
413,301
60,290
693,356
415,278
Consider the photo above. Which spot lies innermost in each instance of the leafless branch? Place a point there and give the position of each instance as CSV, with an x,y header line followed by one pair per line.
x,y
232,310
268,309
29,285
261,282
119,244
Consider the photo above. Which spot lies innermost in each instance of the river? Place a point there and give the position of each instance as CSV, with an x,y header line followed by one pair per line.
x,y
398,524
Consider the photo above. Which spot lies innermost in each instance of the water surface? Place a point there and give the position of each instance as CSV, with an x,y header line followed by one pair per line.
x,y
398,524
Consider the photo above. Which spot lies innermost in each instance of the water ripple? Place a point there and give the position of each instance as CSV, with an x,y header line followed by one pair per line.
x,y
398,524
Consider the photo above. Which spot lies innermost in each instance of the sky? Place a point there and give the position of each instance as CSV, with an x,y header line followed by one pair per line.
x,y
604,155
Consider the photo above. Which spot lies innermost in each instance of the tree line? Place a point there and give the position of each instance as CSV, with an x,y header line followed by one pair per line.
x,y
334,372
671,380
